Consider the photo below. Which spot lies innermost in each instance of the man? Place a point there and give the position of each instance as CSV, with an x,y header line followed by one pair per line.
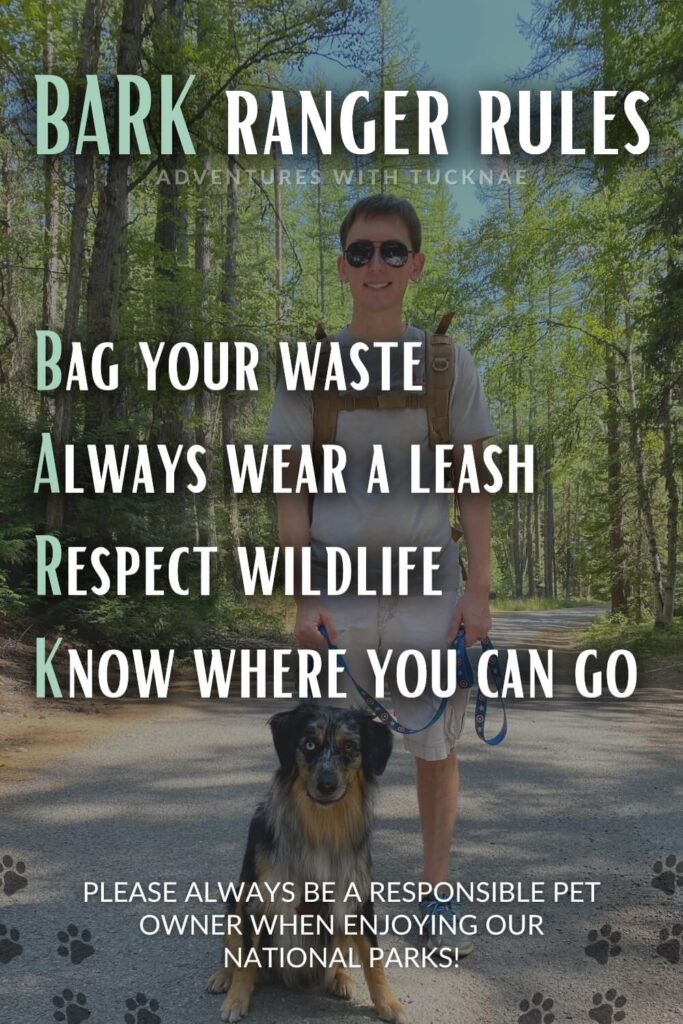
x,y
381,255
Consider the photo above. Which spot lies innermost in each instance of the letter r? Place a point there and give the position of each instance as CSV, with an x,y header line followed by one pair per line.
x,y
47,570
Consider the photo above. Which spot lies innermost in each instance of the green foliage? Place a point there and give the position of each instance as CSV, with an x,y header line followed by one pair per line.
x,y
19,512
644,639
567,290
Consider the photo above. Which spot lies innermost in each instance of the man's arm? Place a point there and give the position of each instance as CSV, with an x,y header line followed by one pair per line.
x,y
473,609
294,530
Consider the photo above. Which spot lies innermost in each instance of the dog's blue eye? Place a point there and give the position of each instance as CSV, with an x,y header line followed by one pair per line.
x,y
309,745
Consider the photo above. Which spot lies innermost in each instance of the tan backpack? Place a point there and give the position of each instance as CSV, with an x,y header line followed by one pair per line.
x,y
439,380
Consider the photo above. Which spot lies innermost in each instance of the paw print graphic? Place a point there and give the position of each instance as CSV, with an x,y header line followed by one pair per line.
x,y
75,944
12,876
536,1011
603,944
671,943
668,874
608,1009
142,1010
9,944
71,1008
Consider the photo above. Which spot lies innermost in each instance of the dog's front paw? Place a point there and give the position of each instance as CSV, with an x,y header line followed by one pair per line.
x,y
341,985
389,1008
219,981
235,1006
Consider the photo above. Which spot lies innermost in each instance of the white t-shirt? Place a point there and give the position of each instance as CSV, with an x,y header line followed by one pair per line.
x,y
399,518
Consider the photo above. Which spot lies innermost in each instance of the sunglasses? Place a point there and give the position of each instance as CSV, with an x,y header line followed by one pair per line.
x,y
394,254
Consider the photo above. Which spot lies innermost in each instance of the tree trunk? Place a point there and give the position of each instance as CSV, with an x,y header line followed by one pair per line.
x,y
644,499
530,566
529,511
172,410
537,532
568,546
673,507
576,539
228,416
615,483
605,171
12,362
51,205
83,189
206,512
230,298
279,276
102,303
640,567
549,533
517,563
321,240
231,304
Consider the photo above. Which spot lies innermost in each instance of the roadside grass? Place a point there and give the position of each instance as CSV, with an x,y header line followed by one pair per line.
x,y
273,615
537,604
644,639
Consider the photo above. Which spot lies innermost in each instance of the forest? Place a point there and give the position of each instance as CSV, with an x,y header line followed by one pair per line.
x,y
567,289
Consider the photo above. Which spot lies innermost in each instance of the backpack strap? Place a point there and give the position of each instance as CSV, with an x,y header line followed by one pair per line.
x,y
435,399
324,411
439,379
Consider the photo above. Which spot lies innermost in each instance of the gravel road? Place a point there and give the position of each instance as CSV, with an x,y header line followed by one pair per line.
x,y
580,791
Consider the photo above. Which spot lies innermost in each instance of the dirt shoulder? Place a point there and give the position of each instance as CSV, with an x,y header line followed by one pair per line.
x,y
36,732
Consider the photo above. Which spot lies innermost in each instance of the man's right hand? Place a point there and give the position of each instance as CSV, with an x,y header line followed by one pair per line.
x,y
310,614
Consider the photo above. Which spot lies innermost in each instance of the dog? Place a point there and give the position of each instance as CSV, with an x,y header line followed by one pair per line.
x,y
313,827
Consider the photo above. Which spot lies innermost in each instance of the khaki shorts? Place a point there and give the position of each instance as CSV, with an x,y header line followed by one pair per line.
x,y
400,623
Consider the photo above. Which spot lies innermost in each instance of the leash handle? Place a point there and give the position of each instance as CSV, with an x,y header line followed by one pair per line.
x,y
464,678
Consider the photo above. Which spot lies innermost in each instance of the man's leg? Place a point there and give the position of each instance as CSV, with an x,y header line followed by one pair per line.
x,y
437,798
420,624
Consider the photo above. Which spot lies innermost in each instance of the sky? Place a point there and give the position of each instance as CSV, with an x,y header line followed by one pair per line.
x,y
468,45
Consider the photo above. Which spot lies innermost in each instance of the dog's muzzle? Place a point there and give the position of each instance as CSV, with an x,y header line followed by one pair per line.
x,y
326,787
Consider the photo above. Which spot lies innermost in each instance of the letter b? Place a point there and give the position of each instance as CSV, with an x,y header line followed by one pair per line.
x,y
48,365
44,118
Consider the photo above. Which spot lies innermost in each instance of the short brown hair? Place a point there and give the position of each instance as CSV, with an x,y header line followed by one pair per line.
x,y
383,205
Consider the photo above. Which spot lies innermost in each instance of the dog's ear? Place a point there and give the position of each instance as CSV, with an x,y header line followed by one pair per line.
x,y
286,730
377,744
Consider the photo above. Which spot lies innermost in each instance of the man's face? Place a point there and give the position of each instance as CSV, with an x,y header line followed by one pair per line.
x,y
377,287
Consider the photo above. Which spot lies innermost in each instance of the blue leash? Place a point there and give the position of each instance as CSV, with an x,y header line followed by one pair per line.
x,y
465,680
